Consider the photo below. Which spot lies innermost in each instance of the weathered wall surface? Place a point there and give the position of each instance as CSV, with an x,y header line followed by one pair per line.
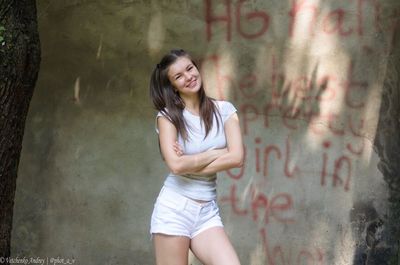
x,y
306,77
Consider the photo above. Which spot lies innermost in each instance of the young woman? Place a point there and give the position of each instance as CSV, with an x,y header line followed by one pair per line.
x,y
198,137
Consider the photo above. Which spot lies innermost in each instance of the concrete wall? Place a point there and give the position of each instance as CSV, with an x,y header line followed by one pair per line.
x,y
306,77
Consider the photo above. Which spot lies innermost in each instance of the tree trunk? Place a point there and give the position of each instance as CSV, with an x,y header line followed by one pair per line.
x,y
387,145
19,67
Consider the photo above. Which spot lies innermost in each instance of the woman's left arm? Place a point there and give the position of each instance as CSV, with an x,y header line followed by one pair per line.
x,y
235,155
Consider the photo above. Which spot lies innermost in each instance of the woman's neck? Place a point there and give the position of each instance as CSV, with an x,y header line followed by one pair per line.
x,y
192,104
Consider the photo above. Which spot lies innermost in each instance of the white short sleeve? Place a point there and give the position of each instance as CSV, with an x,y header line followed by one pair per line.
x,y
159,114
226,109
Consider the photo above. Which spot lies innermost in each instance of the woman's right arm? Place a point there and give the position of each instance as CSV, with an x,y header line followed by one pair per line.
x,y
185,163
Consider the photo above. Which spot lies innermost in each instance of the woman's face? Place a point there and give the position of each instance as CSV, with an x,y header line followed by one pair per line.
x,y
184,76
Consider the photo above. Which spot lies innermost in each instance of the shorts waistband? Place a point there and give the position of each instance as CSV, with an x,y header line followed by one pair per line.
x,y
166,194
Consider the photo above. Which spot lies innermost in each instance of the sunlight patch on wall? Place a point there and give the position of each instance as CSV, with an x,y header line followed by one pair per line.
x,y
302,28
298,64
345,247
215,71
332,72
324,44
328,96
371,118
77,89
99,48
156,34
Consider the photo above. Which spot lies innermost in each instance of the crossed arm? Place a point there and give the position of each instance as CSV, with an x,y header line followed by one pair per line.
x,y
208,162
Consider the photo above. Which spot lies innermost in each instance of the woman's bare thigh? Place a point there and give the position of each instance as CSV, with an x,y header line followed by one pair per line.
x,y
171,250
213,247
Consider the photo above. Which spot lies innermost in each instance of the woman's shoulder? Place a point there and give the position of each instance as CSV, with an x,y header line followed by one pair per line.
x,y
162,112
224,106
226,109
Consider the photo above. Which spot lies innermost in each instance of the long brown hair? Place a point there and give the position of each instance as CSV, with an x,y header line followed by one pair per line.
x,y
169,102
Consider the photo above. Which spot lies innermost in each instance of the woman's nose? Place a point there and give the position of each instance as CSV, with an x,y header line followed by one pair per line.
x,y
188,75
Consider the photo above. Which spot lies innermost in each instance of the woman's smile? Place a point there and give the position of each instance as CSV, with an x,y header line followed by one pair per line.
x,y
192,84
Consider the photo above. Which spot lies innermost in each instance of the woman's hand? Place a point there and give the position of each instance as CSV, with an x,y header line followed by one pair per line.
x,y
233,157
178,149
218,152
176,158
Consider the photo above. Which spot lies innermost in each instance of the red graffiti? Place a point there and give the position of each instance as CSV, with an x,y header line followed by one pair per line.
x,y
352,88
308,91
269,149
334,21
246,86
270,152
253,24
304,87
339,169
221,79
278,207
249,114
260,18
277,255
292,118
357,134
300,7
342,170
251,16
210,18
338,21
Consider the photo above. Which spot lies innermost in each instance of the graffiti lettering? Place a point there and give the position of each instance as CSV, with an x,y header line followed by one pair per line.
x,y
339,169
259,17
308,91
276,254
338,21
256,16
210,19
337,179
278,207
332,22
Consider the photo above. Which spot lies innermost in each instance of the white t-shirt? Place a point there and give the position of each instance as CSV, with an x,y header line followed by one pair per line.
x,y
200,187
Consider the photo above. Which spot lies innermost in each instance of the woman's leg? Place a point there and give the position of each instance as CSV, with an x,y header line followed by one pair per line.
x,y
212,247
171,250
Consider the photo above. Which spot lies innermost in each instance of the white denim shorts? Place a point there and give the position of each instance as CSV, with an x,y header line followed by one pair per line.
x,y
175,214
